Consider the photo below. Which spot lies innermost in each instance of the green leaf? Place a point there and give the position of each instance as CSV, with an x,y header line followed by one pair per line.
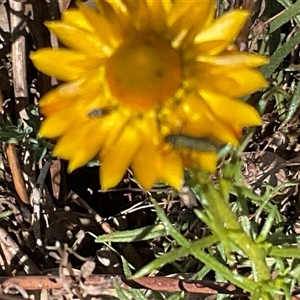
x,y
287,4
285,17
170,229
5,214
279,55
294,105
128,236
175,254
120,292
291,252
159,262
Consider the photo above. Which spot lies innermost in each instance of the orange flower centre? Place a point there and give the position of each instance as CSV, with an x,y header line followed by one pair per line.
x,y
144,72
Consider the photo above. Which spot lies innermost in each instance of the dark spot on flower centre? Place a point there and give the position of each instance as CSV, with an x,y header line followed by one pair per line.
x,y
159,74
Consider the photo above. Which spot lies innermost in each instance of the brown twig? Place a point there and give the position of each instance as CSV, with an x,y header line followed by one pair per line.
x,y
104,225
106,282
16,172
102,283
12,251
18,55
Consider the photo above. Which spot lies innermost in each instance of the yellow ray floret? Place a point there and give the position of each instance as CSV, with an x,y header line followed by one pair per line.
x,y
136,72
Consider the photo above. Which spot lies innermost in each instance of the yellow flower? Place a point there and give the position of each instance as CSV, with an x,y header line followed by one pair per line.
x,y
139,71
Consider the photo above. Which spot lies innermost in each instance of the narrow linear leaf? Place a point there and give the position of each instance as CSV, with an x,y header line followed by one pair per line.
x,y
175,254
128,236
126,266
294,105
175,296
171,230
136,293
157,295
285,252
241,281
5,214
266,227
279,238
120,291
287,4
279,55
161,261
286,16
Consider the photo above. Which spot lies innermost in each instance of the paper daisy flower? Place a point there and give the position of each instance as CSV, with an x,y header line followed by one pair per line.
x,y
137,72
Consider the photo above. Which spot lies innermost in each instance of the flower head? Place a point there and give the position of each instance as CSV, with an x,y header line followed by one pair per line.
x,y
139,71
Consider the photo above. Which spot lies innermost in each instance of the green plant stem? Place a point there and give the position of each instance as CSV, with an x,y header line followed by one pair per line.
x,y
285,252
217,206
176,254
196,249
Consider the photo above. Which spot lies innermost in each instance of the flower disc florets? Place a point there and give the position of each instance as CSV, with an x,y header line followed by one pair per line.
x,y
144,72
141,74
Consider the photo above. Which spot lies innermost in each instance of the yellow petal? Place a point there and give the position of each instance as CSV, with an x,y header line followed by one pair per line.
x,y
142,18
246,82
78,39
103,28
192,112
146,162
108,7
151,164
69,93
63,64
231,111
149,129
233,82
57,124
86,140
61,116
57,99
206,160
117,14
116,158
145,167
73,17
214,39
187,18
235,60
198,120
139,15
167,5
158,15
171,170
212,47
81,145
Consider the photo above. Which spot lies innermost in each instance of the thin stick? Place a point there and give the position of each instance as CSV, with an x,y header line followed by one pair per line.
x,y
106,282
16,172
18,54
